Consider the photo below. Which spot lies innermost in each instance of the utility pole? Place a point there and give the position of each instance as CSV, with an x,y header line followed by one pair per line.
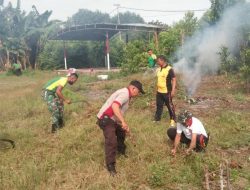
x,y
118,18
65,56
107,50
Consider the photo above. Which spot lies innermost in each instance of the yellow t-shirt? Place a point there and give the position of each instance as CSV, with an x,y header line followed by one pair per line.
x,y
54,83
164,77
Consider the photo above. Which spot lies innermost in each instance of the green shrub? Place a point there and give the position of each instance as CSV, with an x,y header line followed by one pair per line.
x,y
134,58
229,64
245,69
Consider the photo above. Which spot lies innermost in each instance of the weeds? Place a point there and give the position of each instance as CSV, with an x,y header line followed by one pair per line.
x,y
74,157
156,178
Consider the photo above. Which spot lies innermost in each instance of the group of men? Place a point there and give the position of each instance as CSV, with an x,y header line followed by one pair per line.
x,y
110,119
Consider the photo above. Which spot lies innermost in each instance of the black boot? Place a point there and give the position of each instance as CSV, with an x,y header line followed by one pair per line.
x,y
111,169
122,151
61,123
53,128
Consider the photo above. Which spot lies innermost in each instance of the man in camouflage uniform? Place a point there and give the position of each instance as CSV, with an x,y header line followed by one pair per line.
x,y
52,94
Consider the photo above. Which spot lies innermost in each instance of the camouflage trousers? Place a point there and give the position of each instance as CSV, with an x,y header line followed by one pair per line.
x,y
55,106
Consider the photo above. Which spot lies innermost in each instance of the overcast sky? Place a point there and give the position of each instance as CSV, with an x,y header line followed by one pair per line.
x,y
62,9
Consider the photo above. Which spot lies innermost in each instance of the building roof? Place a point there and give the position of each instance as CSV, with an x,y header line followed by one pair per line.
x,y
97,32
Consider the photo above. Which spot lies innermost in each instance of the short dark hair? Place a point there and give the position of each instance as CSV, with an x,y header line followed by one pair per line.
x,y
74,74
149,50
162,57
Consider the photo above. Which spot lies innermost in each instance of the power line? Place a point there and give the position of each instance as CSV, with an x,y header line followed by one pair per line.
x,y
160,15
112,11
154,10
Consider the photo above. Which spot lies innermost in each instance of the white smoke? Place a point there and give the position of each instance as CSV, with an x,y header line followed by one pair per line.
x,y
199,54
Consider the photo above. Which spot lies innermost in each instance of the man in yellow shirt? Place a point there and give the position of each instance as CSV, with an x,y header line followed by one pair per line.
x,y
52,94
166,84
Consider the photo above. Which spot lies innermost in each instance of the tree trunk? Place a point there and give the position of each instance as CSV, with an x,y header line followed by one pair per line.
x,y
1,59
1,63
8,59
156,39
23,63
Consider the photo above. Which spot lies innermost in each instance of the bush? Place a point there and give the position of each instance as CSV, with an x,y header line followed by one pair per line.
x,y
134,57
245,69
229,63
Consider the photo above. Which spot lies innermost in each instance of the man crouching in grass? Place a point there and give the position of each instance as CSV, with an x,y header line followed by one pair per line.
x,y
189,131
52,94
111,121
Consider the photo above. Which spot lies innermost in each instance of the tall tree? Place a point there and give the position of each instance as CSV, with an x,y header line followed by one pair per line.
x,y
218,7
1,2
21,35
35,26
84,16
189,24
127,17
175,36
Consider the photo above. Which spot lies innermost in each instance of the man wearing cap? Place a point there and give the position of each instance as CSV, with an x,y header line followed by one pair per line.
x,y
189,131
70,71
52,94
166,84
112,122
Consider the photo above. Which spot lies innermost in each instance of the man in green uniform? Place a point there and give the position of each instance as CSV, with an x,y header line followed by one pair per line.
x,y
151,59
17,69
52,94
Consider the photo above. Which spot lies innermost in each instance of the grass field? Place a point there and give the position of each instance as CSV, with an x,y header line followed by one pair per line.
x,y
74,157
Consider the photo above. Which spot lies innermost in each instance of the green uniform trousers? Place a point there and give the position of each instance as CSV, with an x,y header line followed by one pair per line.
x,y
55,106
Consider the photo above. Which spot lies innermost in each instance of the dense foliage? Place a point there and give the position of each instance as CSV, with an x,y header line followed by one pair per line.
x,y
25,37
134,57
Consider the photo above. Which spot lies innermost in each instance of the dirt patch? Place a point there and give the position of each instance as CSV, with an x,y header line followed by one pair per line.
x,y
95,95
209,102
216,93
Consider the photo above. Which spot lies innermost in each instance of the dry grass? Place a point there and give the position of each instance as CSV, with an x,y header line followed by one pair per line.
x,y
74,157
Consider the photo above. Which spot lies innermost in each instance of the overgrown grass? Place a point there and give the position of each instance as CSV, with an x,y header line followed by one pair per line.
x,y
74,157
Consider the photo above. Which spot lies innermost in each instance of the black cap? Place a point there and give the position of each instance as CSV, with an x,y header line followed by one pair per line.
x,y
138,85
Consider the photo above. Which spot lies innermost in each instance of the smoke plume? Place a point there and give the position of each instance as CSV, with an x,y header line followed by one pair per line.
x,y
199,54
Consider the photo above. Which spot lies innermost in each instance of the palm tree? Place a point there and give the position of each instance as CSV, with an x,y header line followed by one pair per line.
x,y
23,36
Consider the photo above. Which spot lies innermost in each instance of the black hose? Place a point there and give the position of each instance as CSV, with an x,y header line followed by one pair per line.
x,y
10,141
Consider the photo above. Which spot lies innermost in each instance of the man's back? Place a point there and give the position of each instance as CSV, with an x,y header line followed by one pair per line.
x,y
196,127
120,97
55,82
